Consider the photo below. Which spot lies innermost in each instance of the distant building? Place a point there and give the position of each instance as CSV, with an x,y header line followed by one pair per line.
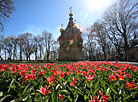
x,y
133,52
70,42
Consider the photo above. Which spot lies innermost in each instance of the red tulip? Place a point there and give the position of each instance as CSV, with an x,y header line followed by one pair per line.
x,y
75,80
112,77
95,99
130,85
72,83
45,91
61,76
89,78
50,80
61,96
120,77
104,98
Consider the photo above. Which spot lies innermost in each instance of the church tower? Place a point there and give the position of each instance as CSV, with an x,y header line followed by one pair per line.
x,y
70,41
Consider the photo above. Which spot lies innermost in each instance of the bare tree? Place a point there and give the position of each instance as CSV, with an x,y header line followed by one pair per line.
x,y
8,47
101,37
55,48
35,41
14,42
89,45
38,47
28,46
1,46
5,47
48,40
20,42
6,9
121,21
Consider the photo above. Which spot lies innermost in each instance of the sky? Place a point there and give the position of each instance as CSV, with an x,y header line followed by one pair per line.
x,y
35,16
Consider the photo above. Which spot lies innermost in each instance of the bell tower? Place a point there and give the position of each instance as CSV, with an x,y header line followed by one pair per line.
x,y
70,41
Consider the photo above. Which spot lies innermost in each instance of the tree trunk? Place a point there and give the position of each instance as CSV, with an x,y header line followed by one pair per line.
x,y
29,58
125,46
105,58
125,54
14,53
5,55
20,55
40,52
54,56
36,56
47,56
0,55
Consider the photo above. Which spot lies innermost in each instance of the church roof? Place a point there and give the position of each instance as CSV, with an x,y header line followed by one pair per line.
x,y
70,24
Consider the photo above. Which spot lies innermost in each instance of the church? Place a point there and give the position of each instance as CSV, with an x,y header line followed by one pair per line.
x,y
70,42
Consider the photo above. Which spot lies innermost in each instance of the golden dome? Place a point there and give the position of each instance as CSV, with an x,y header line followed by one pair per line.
x,y
61,30
75,26
70,14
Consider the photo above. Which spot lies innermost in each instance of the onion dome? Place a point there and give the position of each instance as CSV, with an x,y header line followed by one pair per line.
x,y
70,14
61,30
75,26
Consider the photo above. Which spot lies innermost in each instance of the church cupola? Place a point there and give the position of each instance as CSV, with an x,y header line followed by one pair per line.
x,y
75,26
61,29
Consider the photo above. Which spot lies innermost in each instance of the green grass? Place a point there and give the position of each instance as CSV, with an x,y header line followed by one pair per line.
x,y
18,62
33,62
36,62
135,65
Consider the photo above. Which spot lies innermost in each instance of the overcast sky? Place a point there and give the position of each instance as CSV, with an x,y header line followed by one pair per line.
x,y
35,16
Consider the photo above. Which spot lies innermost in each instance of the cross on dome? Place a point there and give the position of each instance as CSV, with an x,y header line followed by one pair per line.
x,y
61,25
70,14
70,9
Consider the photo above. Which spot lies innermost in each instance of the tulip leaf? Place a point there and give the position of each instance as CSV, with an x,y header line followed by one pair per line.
x,y
96,84
86,97
57,86
87,84
70,89
95,91
69,98
52,96
24,99
63,91
126,98
1,94
76,97
112,88
2,99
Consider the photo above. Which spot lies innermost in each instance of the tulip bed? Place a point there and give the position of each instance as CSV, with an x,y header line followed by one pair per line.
x,y
72,82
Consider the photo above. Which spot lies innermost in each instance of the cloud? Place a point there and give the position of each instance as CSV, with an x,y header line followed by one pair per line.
x,y
35,30
86,15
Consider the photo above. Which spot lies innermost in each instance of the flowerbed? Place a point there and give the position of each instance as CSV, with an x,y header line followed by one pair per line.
x,y
72,82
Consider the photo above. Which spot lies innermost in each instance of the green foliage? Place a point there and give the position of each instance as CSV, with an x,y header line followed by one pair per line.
x,y
21,87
